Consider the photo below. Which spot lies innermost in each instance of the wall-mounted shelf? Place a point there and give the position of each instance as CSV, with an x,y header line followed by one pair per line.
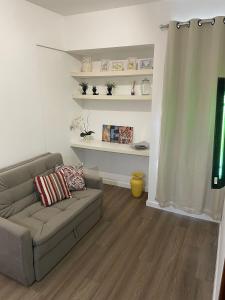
x,y
113,97
109,147
98,74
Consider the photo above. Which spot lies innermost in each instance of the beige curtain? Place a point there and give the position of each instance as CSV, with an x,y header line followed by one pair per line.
x,y
195,60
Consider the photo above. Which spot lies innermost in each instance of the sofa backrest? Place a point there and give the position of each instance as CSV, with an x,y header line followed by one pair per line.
x,y
16,182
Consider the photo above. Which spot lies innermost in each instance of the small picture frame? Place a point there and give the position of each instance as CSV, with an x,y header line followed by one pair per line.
x,y
146,63
132,64
105,65
117,65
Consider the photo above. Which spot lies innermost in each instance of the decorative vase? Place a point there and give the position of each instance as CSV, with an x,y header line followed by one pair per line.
x,y
109,89
88,138
84,89
137,184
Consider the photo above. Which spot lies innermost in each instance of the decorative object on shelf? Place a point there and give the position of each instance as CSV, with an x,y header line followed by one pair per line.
x,y
84,86
77,123
105,65
86,133
132,63
141,145
114,134
94,90
118,65
126,135
86,64
83,126
146,63
117,134
110,86
145,87
137,184
106,133
133,88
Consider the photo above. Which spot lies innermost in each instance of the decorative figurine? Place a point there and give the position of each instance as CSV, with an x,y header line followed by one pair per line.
x,y
133,89
94,90
110,86
84,86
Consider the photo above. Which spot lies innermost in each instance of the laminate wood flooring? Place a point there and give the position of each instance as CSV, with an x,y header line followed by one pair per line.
x,y
133,253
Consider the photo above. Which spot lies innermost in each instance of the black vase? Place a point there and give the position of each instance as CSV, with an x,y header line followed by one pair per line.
x,y
109,89
84,89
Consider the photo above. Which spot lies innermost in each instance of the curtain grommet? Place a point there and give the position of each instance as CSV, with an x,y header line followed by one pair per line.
x,y
199,23
178,25
213,21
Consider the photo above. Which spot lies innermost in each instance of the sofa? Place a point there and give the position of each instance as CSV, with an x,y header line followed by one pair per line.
x,y
34,238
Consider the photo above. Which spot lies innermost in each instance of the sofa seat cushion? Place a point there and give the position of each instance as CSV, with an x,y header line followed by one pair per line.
x,y
45,223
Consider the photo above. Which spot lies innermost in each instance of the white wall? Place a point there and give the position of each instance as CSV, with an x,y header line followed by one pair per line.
x,y
35,86
132,26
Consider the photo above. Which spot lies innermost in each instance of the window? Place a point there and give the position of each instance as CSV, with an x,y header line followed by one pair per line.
x,y
218,169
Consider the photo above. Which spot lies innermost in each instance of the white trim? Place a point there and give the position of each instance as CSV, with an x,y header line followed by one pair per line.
x,y
117,180
171,209
216,276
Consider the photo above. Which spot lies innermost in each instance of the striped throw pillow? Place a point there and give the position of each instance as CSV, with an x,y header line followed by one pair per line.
x,y
52,188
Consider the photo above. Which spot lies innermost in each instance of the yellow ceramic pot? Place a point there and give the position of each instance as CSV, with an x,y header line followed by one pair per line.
x,y
137,184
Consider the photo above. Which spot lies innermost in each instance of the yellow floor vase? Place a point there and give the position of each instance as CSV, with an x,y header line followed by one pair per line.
x,y
137,184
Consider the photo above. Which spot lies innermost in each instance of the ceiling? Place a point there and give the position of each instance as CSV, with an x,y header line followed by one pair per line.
x,y
71,7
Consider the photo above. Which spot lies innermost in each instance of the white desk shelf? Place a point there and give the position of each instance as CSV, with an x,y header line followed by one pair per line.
x,y
109,74
113,97
109,147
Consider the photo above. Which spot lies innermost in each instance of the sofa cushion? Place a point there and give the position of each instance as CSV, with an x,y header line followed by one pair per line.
x,y
52,188
16,183
48,225
74,176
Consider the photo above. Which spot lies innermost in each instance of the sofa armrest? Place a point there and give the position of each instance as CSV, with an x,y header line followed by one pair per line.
x,y
93,180
16,252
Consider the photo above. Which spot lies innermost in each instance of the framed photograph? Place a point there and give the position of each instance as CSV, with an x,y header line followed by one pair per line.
x,y
146,63
125,135
117,134
114,134
132,63
106,133
105,65
118,65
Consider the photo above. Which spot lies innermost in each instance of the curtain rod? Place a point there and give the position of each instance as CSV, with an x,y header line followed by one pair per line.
x,y
200,23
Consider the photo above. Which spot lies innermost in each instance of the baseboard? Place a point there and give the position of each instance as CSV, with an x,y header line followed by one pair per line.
x,y
171,209
117,180
216,279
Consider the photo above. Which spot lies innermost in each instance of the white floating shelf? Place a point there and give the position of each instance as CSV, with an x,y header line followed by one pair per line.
x,y
113,97
95,74
109,147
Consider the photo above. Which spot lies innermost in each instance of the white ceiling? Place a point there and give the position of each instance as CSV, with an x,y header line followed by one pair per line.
x,y
71,7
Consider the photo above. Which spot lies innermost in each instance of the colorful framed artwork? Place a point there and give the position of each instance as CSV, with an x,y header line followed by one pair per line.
x,y
106,133
117,134
125,135
114,134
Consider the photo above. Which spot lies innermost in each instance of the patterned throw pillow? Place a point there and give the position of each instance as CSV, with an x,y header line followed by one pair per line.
x,y
52,188
74,177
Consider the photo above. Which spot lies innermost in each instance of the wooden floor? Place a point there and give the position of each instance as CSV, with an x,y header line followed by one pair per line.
x,y
134,252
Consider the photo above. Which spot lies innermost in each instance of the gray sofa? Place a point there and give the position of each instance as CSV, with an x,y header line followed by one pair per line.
x,y
33,238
